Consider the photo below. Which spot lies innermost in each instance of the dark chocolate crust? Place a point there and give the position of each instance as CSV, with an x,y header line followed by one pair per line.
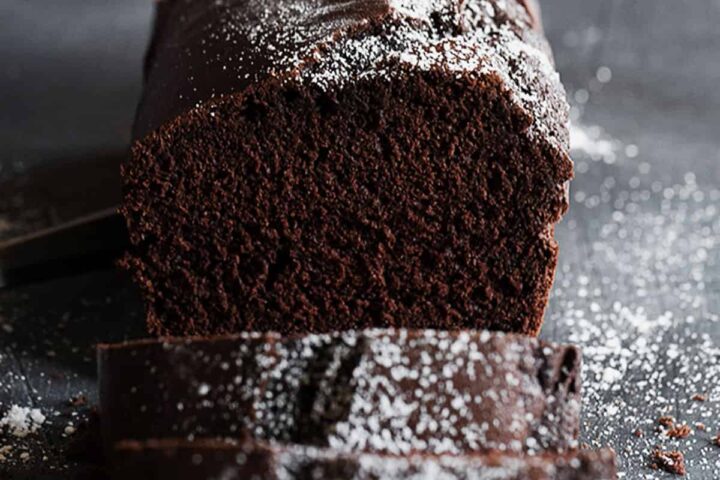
x,y
388,391
204,49
200,460
312,165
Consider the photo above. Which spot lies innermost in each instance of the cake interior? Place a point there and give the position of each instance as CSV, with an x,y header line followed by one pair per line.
x,y
419,202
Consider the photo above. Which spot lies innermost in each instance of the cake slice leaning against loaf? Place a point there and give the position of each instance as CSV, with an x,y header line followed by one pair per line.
x,y
382,391
314,165
204,460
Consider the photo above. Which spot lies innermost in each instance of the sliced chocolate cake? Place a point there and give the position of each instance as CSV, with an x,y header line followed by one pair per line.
x,y
314,165
383,391
200,460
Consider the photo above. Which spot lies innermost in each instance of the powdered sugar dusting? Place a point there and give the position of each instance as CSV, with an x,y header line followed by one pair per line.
x,y
389,391
22,421
333,44
470,41
594,142
641,304
292,460
232,459
434,378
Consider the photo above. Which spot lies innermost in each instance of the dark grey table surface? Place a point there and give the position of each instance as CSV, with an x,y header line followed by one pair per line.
x,y
638,284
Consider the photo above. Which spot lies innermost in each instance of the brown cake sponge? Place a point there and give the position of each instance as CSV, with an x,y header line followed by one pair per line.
x,y
313,165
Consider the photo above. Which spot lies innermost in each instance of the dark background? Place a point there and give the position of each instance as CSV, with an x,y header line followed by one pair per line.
x,y
638,284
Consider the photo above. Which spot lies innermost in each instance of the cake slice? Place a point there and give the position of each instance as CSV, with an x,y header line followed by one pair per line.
x,y
384,391
314,165
202,459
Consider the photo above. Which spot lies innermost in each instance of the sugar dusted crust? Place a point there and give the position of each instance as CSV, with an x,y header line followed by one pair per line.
x,y
226,46
383,391
179,459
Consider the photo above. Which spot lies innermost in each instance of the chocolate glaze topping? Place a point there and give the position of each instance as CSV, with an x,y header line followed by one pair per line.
x,y
180,460
204,49
387,391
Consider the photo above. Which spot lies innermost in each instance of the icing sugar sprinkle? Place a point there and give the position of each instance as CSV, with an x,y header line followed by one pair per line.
x,y
594,142
297,459
641,301
22,421
327,44
389,391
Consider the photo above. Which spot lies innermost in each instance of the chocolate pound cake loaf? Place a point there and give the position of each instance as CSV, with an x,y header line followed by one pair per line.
x,y
383,391
205,460
315,165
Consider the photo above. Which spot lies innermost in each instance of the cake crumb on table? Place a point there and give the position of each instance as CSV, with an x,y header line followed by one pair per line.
x,y
4,452
666,421
78,400
679,431
670,461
